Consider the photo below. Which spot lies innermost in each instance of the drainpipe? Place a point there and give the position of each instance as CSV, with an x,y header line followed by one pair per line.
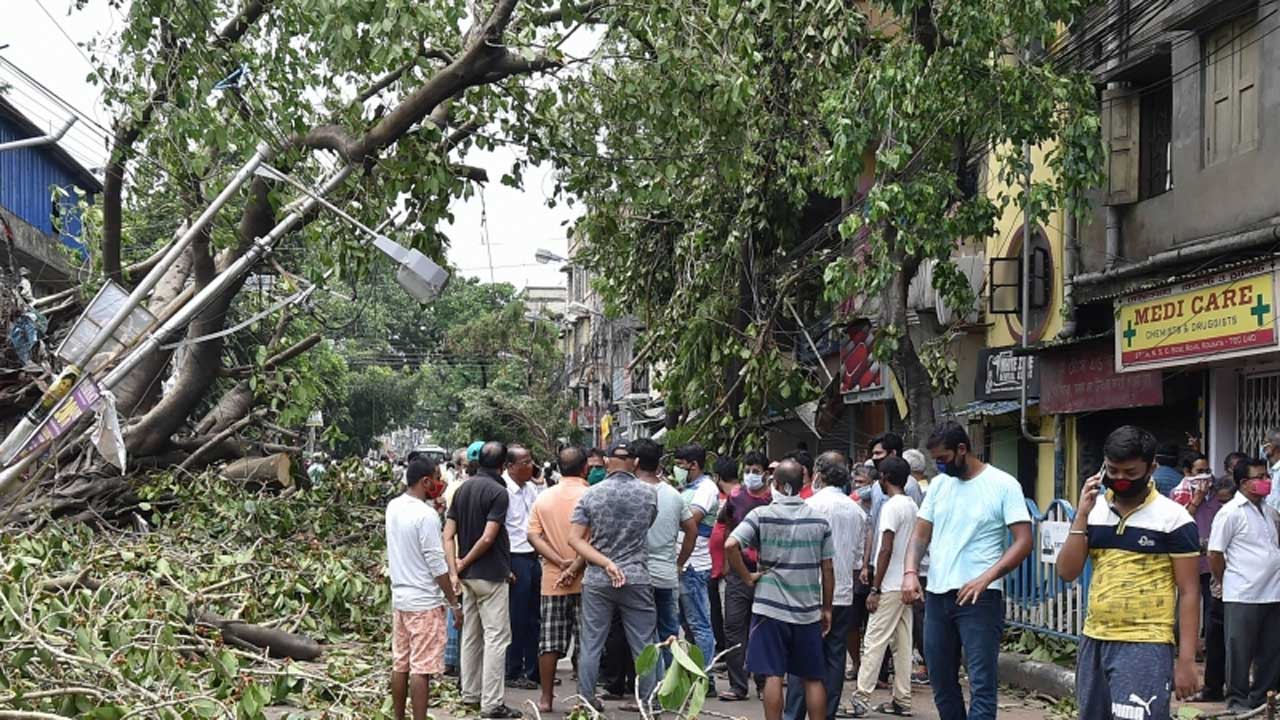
x,y
47,139
1070,263
1026,302
1113,236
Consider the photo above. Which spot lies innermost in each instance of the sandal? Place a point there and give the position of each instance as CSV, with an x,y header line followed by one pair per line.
x,y
731,697
893,708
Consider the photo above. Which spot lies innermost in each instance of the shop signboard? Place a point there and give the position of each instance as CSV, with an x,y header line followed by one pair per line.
x,y
1085,380
1225,315
1000,374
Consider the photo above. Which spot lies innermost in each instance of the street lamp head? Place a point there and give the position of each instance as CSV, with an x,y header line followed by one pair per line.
x,y
544,256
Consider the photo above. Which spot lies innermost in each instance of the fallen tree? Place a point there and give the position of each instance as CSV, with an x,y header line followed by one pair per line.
x,y
222,611
216,79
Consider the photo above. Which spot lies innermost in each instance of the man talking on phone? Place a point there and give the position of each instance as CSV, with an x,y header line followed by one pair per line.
x,y
1145,554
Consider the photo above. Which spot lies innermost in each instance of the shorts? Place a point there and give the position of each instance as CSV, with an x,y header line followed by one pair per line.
x,y
776,648
561,615
418,640
1124,679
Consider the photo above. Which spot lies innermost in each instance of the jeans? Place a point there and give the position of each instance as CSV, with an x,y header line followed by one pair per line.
x,y
526,617
453,643
696,605
738,597
486,632
639,620
834,646
668,606
977,630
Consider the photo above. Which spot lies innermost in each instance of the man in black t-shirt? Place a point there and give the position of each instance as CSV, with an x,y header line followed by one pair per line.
x,y
479,556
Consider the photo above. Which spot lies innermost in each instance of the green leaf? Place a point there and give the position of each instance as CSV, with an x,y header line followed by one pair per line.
x,y
206,708
647,660
688,657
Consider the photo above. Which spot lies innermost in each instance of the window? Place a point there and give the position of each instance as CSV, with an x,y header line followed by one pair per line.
x,y
1155,167
1230,89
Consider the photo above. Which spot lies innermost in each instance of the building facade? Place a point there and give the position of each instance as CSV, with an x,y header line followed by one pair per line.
x,y
40,188
1171,308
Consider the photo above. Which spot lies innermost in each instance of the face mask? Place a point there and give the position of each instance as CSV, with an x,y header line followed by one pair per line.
x,y
1262,487
864,493
682,476
753,481
595,475
1126,488
955,467
780,491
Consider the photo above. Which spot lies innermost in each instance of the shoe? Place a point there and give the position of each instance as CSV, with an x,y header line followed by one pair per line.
x,y
501,712
521,683
920,677
893,708
858,709
610,695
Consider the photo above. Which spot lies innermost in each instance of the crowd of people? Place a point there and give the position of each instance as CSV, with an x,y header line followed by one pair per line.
x,y
783,573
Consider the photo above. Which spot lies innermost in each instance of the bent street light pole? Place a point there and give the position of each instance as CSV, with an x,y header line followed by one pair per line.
x,y
221,283
71,374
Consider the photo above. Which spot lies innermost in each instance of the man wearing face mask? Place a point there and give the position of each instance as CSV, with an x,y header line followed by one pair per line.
x,y
738,595
1244,555
1271,453
970,511
595,466
703,496
1145,554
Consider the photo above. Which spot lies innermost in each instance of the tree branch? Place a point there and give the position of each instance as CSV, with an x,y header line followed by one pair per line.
x,y
556,14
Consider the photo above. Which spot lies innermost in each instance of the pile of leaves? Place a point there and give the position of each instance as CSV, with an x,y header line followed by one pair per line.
x,y
1041,646
109,625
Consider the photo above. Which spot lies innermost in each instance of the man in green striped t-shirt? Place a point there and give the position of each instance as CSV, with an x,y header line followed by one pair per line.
x,y
793,591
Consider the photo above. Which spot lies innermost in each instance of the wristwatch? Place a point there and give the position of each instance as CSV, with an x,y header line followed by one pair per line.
x,y
875,591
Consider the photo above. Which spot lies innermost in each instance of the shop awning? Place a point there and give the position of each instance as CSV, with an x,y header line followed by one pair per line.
x,y
991,408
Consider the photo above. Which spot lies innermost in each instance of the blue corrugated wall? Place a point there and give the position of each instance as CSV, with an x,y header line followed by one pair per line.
x,y
27,179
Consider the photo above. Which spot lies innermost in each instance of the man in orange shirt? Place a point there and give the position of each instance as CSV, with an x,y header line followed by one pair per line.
x,y
549,529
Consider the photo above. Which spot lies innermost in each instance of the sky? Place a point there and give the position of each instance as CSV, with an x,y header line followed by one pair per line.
x,y
518,222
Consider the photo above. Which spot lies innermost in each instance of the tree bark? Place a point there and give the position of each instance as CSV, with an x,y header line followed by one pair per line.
x,y
910,372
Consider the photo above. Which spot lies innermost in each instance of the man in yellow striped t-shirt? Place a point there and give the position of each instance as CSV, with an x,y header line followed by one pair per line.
x,y
1145,553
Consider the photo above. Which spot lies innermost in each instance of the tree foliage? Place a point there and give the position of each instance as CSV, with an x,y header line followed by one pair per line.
x,y
718,141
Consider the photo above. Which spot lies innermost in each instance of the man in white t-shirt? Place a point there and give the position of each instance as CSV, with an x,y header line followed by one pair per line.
x,y
890,616
671,539
420,586
703,497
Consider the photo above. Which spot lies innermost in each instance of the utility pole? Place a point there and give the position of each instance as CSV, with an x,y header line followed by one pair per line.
x,y
70,375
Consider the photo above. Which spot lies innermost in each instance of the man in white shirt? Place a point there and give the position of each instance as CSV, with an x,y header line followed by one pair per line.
x,y
1244,556
848,522
525,591
420,586
703,496
671,539
891,617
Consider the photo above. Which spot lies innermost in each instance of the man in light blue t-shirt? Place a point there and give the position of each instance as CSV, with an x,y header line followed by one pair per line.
x,y
964,521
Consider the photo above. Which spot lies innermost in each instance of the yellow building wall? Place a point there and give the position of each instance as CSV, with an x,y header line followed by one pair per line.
x,y
999,334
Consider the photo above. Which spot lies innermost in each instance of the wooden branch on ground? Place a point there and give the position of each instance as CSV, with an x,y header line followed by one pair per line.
x,y
273,470
70,582
277,643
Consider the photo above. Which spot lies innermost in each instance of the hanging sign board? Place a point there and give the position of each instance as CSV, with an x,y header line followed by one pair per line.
x,y
1226,315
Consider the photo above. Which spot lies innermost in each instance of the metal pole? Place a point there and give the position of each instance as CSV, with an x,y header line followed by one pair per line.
x,y
220,284
71,373
47,139
1024,360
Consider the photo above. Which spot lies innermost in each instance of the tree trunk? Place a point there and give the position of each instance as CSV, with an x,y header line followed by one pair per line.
x,y
910,372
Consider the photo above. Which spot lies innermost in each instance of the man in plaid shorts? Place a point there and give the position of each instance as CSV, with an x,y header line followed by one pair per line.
x,y
549,529
420,585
